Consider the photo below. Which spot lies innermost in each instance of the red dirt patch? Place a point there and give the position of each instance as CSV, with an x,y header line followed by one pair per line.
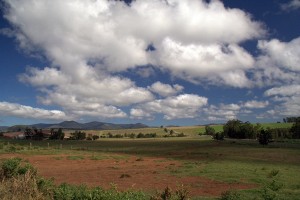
x,y
145,174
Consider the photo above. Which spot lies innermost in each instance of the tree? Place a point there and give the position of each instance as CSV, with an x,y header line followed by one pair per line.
x,y
57,135
95,137
247,131
166,130
219,136
78,135
264,137
28,133
232,128
209,130
295,130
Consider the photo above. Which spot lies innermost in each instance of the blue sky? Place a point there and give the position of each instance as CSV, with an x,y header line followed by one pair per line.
x,y
159,62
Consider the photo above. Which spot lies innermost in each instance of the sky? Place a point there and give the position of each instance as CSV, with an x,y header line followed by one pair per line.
x,y
158,62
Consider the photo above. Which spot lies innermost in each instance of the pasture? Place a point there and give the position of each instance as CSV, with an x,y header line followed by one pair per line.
x,y
206,168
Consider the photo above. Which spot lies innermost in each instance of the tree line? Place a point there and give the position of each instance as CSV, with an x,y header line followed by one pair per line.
x,y
245,130
291,119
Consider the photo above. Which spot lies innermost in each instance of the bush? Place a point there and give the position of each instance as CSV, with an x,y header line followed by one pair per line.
x,y
219,136
209,130
230,195
13,167
95,137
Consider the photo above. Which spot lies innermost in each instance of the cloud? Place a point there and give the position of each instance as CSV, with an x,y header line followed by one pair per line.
x,y
288,97
256,104
175,107
282,54
17,110
165,90
222,112
90,44
202,62
288,90
137,113
279,63
188,36
292,5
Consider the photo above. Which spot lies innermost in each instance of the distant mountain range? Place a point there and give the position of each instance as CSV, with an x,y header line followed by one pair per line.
x,y
78,126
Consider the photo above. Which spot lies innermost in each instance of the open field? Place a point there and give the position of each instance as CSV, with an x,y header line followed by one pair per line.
x,y
205,167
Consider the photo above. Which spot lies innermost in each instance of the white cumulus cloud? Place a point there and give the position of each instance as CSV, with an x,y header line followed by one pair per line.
x,y
89,44
175,107
292,5
288,90
165,90
256,104
18,110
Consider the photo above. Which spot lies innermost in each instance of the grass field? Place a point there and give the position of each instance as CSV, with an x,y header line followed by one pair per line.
x,y
273,169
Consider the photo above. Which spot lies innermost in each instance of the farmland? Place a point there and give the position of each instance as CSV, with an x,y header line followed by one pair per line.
x,y
206,168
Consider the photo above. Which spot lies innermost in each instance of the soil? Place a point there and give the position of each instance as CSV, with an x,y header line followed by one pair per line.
x,y
147,174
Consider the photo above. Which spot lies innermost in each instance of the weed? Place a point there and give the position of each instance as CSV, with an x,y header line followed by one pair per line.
x,y
58,158
273,173
75,158
140,159
182,193
230,195
125,176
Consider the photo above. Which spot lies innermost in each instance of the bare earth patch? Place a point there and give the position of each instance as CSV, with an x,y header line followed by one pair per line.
x,y
147,174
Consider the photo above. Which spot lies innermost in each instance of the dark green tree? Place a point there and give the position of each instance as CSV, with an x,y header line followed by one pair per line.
x,y
209,130
247,131
232,129
264,137
57,135
78,135
295,130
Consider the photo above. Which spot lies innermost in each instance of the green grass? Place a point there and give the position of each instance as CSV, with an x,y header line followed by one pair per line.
x,y
75,157
277,125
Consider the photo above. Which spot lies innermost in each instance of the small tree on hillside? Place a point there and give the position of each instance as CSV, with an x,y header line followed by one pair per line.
x,y
232,129
209,130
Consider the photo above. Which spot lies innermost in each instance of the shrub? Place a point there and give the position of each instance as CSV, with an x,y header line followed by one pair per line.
x,y
166,194
14,166
95,137
209,130
219,136
230,195
140,135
